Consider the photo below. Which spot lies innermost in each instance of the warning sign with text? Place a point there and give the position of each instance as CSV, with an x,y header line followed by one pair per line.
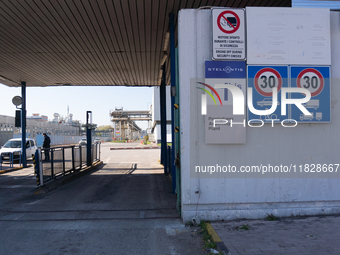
x,y
228,34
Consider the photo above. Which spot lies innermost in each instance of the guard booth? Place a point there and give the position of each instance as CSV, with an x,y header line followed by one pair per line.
x,y
258,115
206,55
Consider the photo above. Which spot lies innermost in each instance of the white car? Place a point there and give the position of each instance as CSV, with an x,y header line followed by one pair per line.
x,y
97,140
83,141
14,146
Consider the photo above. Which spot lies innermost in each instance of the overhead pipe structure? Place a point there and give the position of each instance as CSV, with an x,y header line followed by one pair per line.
x,y
126,120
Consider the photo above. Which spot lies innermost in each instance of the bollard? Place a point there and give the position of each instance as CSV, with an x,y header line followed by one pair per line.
x,y
36,170
11,160
37,167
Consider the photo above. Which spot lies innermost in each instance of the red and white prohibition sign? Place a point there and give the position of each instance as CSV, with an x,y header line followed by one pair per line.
x,y
266,79
312,80
228,22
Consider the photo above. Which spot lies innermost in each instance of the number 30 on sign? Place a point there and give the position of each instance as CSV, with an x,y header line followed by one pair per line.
x,y
317,80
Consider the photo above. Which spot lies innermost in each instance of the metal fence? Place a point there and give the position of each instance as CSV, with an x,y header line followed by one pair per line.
x,y
10,157
59,161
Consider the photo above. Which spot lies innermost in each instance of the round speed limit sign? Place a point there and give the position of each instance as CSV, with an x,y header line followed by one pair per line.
x,y
266,79
312,80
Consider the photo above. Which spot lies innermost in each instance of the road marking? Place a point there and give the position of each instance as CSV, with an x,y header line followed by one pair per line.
x,y
129,148
19,216
173,250
24,176
36,202
107,160
170,231
126,162
17,186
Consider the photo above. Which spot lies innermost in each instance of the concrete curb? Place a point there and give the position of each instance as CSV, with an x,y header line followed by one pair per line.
x,y
220,245
13,169
133,148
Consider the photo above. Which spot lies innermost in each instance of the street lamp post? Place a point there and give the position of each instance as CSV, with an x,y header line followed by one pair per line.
x,y
17,100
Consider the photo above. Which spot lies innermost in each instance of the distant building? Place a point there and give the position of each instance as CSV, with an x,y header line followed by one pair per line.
x,y
56,117
68,121
38,117
35,127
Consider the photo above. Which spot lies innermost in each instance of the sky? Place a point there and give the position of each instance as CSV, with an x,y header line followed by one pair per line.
x,y
100,100
316,4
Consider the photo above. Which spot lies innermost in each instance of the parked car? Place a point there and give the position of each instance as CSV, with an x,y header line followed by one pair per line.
x,y
83,141
97,140
14,146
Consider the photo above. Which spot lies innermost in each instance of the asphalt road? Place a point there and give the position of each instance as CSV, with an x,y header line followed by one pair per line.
x,y
125,207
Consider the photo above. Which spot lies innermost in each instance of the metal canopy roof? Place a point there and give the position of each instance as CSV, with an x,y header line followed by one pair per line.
x,y
91,42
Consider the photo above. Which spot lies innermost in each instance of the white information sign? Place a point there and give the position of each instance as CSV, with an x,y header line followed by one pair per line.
x,y
217,102
288,36
228,33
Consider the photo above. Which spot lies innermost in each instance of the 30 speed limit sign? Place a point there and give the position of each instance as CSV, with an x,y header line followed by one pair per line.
x,y
266,79
316,79
263,80
312,80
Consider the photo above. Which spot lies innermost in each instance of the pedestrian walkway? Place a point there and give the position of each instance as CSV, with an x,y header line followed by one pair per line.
x,y
310,235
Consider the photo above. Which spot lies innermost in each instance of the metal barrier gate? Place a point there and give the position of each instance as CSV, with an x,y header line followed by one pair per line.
x,y
59,161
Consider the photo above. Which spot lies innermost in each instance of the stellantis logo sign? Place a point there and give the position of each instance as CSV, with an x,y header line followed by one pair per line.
x,y
239,100
226,69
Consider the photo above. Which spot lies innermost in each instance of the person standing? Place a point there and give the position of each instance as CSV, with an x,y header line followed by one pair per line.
x,y
46,146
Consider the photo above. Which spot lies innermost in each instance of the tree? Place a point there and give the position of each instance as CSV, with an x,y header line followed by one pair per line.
x,y
93,126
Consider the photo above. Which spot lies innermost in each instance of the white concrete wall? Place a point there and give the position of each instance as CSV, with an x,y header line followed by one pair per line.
x,y
157,133
156,114
230,198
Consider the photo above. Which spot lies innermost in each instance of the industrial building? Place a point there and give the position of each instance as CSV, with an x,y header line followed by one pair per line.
x,y
125,127
59,133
